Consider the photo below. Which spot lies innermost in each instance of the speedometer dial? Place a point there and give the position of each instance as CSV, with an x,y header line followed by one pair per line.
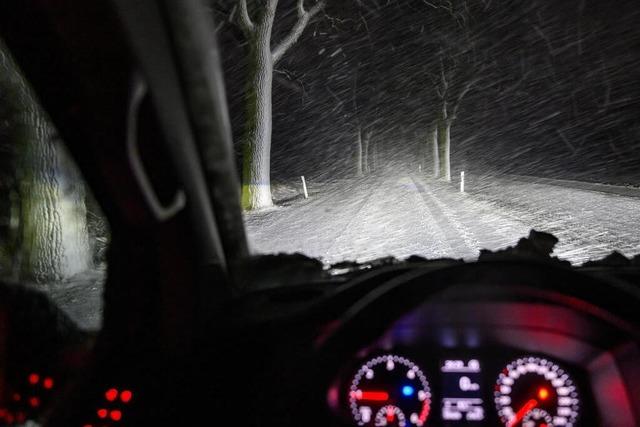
x,y
532,392
390,391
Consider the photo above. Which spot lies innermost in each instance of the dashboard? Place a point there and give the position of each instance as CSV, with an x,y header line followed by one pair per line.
x,y
492,358
529,390
471,345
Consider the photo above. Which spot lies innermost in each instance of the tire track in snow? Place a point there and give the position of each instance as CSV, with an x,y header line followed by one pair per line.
x,y
437,237
394,221
493,228
461,239
345,229
432,224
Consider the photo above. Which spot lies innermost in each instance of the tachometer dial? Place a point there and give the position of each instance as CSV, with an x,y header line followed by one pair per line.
x,y
532,391
536,418
390,416
390,390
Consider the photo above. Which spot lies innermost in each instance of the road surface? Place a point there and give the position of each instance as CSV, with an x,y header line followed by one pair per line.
x,y
368,218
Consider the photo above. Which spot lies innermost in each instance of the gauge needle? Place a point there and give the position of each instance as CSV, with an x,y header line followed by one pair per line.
x,y
390,414
522,412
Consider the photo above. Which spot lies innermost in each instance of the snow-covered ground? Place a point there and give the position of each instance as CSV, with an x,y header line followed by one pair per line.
x,y
372,217
367,218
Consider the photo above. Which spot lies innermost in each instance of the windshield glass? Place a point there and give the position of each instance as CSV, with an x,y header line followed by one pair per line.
x,y
53,236
437,128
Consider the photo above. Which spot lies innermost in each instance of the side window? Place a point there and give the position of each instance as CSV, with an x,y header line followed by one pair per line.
x,y
52,234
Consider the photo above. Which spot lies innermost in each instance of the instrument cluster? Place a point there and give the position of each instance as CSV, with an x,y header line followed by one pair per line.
x,y
525,390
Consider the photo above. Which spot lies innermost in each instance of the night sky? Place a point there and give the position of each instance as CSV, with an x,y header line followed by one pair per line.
x,y
556,92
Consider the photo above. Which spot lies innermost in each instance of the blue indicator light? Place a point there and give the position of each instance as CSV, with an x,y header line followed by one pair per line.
x,y
407,391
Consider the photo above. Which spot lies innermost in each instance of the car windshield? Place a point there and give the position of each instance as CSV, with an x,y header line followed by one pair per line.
x,y
367,129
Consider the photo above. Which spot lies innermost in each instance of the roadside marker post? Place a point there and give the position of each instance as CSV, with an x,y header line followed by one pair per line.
x,y
462,182
304,187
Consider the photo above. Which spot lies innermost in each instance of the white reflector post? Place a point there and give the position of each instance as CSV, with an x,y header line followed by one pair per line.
x,y
462,182
304,187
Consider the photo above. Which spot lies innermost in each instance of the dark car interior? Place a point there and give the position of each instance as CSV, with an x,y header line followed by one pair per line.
x,y
198,331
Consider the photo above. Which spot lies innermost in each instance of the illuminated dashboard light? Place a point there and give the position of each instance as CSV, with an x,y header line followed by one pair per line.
x,y
126,396
102,413
543,393
115,415
407,391
33,379
370,395
47,383
34,402
111,394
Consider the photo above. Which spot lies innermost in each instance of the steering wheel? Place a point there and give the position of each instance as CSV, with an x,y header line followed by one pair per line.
x,y
611,301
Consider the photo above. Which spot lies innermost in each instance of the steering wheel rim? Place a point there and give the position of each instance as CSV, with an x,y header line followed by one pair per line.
x,y
610,300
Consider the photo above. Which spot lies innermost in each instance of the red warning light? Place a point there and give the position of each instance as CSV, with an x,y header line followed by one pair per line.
x,y
375,396
116,415
102,413
126,396
47,383
111,394
34,402
543,393
33,379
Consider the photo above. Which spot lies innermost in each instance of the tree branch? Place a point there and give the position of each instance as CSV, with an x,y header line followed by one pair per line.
x,y
443,79
303,19
462,94
244,20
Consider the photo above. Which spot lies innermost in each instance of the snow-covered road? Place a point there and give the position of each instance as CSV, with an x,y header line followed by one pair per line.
x,y
372,217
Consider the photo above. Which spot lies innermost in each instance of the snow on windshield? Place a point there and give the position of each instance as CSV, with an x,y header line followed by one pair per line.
x,y
436,128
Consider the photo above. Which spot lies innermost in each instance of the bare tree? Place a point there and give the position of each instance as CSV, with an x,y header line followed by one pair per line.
x,y
460,67
450,100
366,114
432,148
256,168
364,158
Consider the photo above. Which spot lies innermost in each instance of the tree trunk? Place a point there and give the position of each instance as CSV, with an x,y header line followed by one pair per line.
x,y
256,173
432,155
359,153
444,149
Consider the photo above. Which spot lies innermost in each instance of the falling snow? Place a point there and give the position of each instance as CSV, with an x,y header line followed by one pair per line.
x,y
541,89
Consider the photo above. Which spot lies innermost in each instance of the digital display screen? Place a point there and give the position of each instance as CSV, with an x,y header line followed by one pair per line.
x,y
462,395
